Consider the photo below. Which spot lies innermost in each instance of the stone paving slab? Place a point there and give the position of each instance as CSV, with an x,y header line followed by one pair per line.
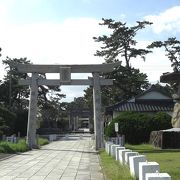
x,y
67,159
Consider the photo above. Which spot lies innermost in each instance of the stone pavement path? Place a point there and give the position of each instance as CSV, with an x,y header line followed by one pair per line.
x,y
69,159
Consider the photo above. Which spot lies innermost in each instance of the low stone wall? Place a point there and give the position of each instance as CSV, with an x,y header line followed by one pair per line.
x,y
138,164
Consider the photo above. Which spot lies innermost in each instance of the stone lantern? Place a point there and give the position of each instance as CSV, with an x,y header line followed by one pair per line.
x,y
169,138
174,77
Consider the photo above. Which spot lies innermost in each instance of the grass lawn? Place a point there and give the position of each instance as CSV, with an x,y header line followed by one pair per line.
x,y
169,159
112,169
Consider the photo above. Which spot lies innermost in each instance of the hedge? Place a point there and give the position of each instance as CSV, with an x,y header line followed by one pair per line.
x,y
137,126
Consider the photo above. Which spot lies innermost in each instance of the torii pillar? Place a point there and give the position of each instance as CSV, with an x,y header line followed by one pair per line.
x,y
99,140
31,127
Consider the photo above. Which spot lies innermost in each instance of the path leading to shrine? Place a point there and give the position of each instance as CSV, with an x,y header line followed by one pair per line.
x,y
71,158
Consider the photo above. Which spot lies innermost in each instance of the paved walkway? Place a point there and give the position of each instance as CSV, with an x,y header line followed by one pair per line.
x,y
69,159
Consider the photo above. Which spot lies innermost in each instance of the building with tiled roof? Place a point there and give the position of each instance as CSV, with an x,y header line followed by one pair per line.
x,y
150,101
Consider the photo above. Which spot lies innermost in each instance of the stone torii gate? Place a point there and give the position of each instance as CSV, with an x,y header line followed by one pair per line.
x,y
65,79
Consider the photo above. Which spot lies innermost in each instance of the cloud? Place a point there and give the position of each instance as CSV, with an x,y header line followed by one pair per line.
x,y
168,21
67,42
64,42
155,65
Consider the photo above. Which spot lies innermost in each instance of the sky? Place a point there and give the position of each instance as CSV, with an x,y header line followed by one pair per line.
x,y
61,31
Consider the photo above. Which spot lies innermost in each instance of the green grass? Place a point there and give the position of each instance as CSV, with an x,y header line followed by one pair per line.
x,y
112,169
42,141
21,146
7,147
169,159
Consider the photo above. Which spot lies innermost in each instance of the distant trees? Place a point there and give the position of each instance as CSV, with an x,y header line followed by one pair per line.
x,y
15,97
51,112
128,82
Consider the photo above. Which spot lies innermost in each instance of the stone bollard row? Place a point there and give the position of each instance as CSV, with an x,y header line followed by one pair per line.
x,y
138,164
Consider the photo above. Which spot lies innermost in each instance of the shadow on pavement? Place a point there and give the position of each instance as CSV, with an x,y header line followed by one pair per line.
x,y
69,150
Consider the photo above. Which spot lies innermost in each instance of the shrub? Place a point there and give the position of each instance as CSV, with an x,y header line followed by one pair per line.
x,y
42,141
7,147
21,146
137,126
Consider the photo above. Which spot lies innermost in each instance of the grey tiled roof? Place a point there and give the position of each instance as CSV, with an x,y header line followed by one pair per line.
x,y
140,107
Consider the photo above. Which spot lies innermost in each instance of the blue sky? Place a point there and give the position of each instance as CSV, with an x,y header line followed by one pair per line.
x,y
28,11
61,31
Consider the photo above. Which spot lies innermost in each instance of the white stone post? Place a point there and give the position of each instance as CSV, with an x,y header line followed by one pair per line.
x,y
134,164
122,155
147,167
117,151
113,149
31,128
97,112
158,176
128,155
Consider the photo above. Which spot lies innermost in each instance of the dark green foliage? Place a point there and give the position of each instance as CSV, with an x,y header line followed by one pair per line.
x,y
162,119
7,120
13,95
121,43
128,82
21,122
137,126
6,114
63,124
